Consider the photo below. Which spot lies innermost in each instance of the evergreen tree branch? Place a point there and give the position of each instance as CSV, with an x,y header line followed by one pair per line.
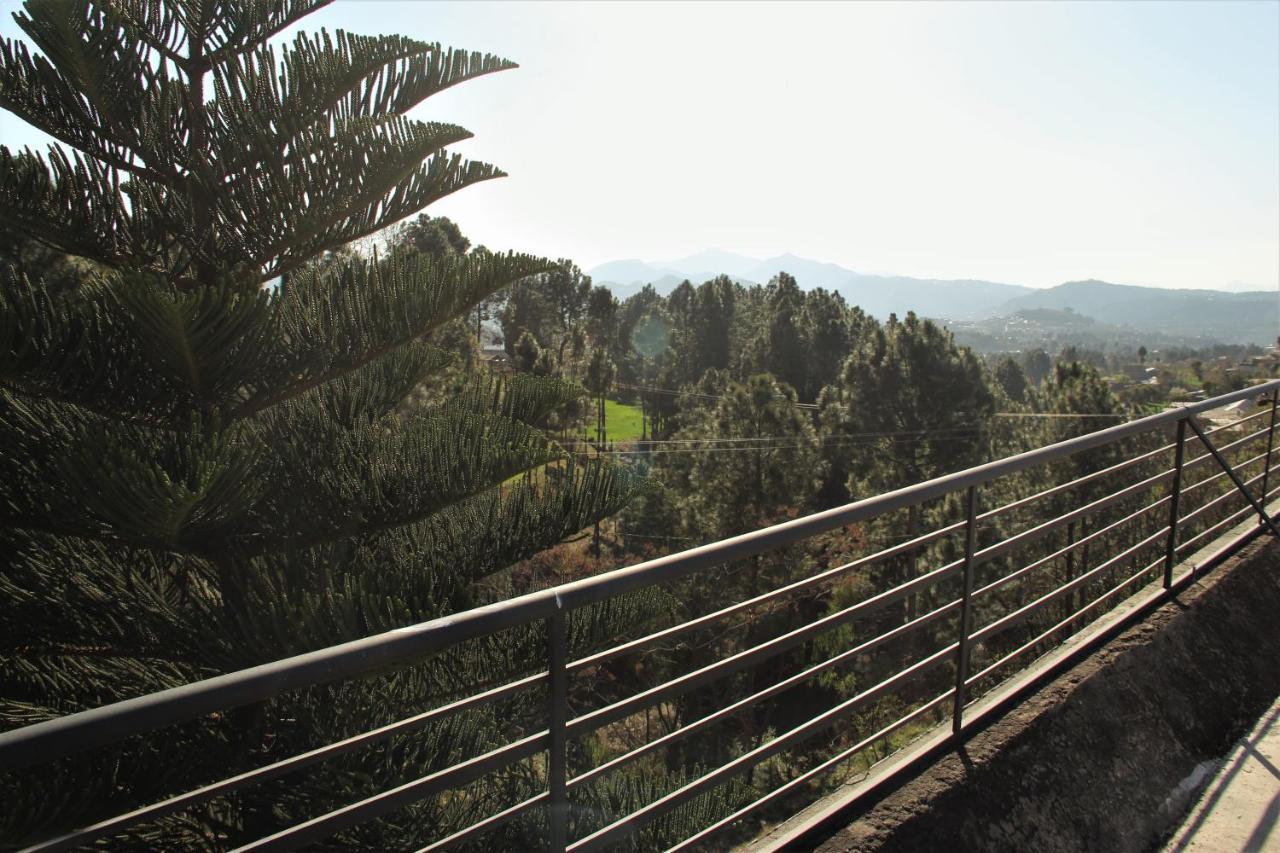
x,y
77,205
170,355
339,207
154,24
461,453
38,524
245,24
336,321
200,474
322,78
38,655
27,91
93,88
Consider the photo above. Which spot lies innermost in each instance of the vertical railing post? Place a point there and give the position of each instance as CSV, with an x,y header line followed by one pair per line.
x,y
1266,463
966,610
557,748
1175,496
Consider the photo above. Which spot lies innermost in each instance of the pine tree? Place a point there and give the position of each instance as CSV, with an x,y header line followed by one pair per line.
x,y
204,461
1012,379
715,322
830,329
780,346
910,405
925,400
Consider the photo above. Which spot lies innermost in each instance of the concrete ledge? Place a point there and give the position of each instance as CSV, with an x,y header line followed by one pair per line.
x,y
1240,808
1094,759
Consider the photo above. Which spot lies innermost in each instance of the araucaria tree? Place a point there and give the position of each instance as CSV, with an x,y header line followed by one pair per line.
x,y
204,463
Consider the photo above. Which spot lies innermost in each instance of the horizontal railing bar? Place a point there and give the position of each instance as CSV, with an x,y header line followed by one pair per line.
x,y
1226,448
1033,533
1071,484
1039,638
401,796
1253,436
725,612
772,690
1215,501
813,773
1196,460
689,681
271,771
1011,619
804,778
1062,552
1075,616
55,738
645,815
1223,474
1233,518
1235,479
1113,469
1261,413
1215,551
489,823
917,754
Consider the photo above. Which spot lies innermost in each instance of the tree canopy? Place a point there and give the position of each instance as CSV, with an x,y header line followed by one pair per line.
x,y
207,461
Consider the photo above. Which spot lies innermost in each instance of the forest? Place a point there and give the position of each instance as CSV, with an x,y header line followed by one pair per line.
x,y
251,406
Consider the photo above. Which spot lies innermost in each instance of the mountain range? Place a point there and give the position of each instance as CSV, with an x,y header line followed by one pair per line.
x,y
1210,316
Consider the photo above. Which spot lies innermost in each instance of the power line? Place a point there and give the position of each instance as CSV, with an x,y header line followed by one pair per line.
x,y
831,442
1059,415
813,406
696,394
784,442
666,538
765,438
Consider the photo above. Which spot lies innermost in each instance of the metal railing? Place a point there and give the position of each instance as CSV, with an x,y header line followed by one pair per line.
x,y
969,613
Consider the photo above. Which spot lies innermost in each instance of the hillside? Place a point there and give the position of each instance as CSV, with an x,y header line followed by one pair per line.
x,y
944,299
1203,314
1200,316
1052,329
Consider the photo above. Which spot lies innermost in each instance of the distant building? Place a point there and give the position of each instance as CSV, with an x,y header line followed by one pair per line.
x,y
1138,372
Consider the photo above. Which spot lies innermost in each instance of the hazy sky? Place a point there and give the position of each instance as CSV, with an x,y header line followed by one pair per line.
x,y
1020,142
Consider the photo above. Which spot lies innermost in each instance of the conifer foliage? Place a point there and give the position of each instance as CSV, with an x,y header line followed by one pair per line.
x,y
204,459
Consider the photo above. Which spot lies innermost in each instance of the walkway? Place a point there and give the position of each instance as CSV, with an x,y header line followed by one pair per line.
x,y
1240,809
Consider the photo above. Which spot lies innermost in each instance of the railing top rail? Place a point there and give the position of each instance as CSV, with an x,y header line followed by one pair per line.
x,y
73,733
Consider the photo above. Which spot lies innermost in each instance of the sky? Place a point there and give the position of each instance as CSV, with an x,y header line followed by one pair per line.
x,y
1029,143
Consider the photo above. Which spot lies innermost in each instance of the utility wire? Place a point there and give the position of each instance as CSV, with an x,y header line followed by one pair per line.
x,y
793,440
1059,415
835,442
704,396
657,441
696,394
783,442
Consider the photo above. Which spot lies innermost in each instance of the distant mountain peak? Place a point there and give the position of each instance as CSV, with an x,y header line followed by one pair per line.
x,y
710,263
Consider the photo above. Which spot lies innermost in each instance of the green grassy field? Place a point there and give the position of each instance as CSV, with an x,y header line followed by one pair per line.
x,y
621,422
